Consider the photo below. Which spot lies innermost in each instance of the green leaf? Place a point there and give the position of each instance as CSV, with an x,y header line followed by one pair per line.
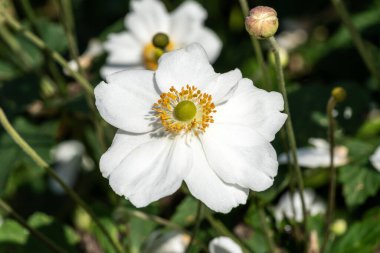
x,y
185,212
12,232
359,183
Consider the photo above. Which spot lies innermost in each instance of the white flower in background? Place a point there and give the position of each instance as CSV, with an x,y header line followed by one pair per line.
x,y
185,122
318,156
134,49
68,158
291,206
161,242
94,49
224,245
375,159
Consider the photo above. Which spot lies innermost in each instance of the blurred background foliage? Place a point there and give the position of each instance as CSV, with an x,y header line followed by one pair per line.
x,y
47,107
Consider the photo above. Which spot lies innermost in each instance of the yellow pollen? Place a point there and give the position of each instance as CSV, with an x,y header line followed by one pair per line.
x,y
151,54
186,110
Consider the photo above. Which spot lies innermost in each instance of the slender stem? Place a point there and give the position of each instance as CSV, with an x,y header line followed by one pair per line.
x,y
289,127
221,229
198,220
40,162
357,39
268,233
258,52
54,247
68,21
332,188
61,61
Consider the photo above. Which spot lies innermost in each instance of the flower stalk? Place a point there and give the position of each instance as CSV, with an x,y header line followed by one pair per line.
x,y
289,126
258,51
43,164
357,39
49,243
338,94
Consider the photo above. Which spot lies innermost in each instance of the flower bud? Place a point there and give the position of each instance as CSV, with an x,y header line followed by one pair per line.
x,y
339,94
339,227
262,22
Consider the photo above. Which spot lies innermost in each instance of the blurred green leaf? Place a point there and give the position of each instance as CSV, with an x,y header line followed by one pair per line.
x,y
12,232
185,212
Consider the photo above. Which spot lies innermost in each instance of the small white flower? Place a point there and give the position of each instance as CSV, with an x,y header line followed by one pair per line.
x,y
224,245
134,49
318,156
185,122
291,206
67,161
375,159
161,242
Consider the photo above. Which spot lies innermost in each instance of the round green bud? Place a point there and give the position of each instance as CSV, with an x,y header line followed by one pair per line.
x,y
262,22
339,94
185,111
339,227
160,40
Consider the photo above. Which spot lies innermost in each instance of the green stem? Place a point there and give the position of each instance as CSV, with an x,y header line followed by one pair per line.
x,y
8,210
365,54
289,127
198,220
221,229
332,187
40,162
268,233
258,52
68,21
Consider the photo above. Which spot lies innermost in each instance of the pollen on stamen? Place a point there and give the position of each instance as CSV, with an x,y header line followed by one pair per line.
x,y
168,101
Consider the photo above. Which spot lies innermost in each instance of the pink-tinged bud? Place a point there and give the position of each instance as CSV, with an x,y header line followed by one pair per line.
x,y
262,22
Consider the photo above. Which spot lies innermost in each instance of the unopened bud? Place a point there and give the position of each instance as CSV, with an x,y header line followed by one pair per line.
x,y
160,40
339,94
339,227
262,22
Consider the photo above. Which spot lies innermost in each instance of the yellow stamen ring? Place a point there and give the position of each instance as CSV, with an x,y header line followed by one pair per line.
x,y
186,110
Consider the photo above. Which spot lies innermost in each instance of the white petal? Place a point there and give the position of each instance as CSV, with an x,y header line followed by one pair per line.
x,y
148,18
123,49
253,107
152,171
186,22
206,186
239,155
375,159
224,245
122,144
210,42
185,66
127,99
224,87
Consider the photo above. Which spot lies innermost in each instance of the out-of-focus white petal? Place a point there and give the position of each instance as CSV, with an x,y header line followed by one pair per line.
x,y
161,242
239,155
210,42
147,18
206,186
375,159
224,245
188,66
255,108
126,100
152,170
291,206
319,155
67,160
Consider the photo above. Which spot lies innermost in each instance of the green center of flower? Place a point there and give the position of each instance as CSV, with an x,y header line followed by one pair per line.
x,y
185,111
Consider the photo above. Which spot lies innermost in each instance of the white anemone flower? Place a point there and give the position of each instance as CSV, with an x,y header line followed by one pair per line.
x,y
184,122
68,159
318,156
224,245
375,159
171,242
290,205
134,48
